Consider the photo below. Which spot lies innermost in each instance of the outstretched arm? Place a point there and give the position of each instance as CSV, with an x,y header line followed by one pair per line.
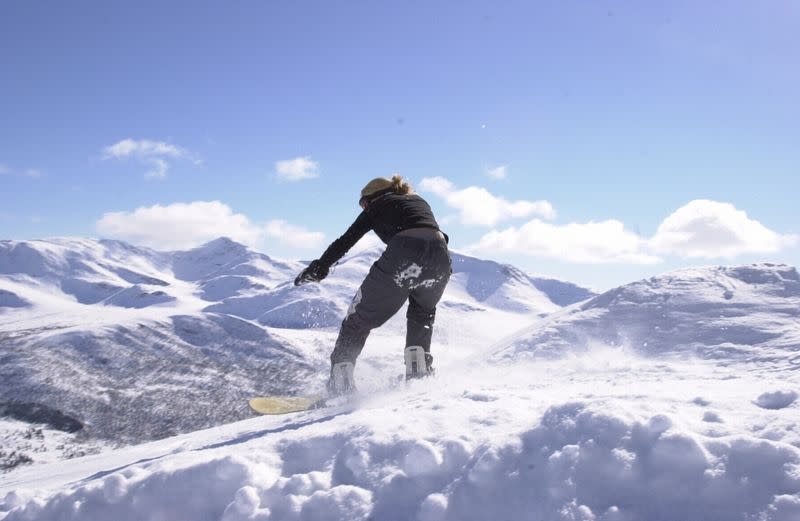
x,y
318,269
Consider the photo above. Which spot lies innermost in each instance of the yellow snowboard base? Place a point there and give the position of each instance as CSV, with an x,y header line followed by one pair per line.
x,y
285,404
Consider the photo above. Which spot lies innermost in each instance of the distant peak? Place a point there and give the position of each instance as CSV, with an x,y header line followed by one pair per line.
x,y
750,273
222,243
763,273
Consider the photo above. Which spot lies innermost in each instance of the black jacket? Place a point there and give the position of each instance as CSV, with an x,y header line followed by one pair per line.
x,y
386,215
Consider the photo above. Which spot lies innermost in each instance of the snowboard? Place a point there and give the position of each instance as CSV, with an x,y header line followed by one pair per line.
x,y
287,404
284,404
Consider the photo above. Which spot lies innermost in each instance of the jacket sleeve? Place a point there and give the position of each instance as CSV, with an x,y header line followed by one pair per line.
x,y
340,246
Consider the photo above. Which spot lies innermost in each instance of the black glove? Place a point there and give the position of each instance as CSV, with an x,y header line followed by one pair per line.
x,y
315,272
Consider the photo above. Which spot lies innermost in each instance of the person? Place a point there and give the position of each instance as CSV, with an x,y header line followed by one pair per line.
x,y
414,267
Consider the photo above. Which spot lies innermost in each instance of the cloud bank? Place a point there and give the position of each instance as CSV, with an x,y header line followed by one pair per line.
x,y
710,229
585,243
479,207
700,229
181,226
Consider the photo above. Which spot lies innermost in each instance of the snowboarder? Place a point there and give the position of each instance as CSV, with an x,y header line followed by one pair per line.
x,y
415,266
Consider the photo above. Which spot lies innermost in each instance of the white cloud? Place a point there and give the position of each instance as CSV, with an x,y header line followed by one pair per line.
x,y
438,185
153,154
711,229
499,172
29,172
297,169
587,243
477,206
294,236
701,228
181,226
158,170
143,148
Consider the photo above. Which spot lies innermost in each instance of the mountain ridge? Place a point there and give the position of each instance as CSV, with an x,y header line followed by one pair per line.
x,y
711,312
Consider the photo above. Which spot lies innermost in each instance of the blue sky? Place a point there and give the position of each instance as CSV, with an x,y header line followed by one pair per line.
x,y
598,142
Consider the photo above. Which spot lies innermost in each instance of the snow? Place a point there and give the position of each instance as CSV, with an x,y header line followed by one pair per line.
x,y
11,300
742,313
579,438
22,442
673,398
776,399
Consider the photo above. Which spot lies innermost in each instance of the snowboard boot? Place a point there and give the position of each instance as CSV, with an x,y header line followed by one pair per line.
x,y
418,363
341,381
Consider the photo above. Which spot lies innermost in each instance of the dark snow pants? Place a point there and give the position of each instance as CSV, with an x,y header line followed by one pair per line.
x,y
411,268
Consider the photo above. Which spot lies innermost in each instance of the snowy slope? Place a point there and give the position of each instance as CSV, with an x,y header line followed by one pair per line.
x,y
605,428
747,313
112,332
137,344
596,437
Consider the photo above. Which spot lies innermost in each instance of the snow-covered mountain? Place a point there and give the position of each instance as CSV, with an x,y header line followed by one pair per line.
x,y
747,313
673,398
135,344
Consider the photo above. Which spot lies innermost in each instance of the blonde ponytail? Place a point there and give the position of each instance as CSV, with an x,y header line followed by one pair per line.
x,y
401,186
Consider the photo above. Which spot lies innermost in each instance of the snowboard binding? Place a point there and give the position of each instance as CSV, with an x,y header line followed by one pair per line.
x,y
418,363
341,381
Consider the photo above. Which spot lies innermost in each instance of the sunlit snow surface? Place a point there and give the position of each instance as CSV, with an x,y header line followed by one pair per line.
x,y
627,407
606,435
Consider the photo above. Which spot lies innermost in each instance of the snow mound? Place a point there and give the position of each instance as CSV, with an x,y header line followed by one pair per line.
x,y
584,462
592,437
745,312
776,399
580,461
